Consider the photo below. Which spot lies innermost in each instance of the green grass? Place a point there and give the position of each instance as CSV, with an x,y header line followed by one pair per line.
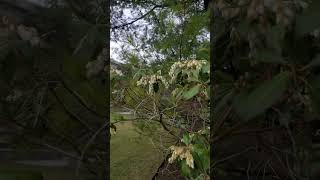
x,y
134,156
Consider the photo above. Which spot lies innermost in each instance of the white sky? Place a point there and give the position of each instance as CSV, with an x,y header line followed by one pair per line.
x,y
129,16
114,45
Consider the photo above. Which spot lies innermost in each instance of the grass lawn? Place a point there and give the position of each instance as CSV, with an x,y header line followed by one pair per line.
x,y
134,156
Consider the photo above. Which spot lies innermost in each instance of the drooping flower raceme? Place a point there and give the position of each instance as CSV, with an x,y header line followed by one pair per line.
x,y
150,80
114,71
183,152
190,64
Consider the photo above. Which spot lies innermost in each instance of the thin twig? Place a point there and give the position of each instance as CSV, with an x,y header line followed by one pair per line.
x,y
230,157
139,18
80,99
71,114
91,140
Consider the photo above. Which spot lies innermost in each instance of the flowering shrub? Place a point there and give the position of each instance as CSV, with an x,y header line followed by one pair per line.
x,y
179,100
187,87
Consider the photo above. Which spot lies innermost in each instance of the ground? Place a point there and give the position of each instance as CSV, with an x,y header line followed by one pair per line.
x,y
135,156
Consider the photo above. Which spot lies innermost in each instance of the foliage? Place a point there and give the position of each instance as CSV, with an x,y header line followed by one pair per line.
x,y
161,84
160,30
166,97
53,85
265,81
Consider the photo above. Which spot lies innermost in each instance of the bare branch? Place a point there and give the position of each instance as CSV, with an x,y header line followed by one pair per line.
x,y
80,99
139,18
71,114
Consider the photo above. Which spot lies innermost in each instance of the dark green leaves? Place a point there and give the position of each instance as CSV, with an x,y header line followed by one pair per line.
x,y
309,19
269,56
252,104
315,95
314,62
186,139
275,38
201,156
186,171
192,92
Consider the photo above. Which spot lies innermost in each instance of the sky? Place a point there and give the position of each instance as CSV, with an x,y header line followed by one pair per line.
x,y
113,46
116,44
129,15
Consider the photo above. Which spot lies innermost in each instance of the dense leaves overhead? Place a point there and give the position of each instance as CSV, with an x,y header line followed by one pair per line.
x,y
160,30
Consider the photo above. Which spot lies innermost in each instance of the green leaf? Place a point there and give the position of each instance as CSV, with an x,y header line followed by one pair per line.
x,y
4,51
197,161
222,76
206,68
178,92
185,169
186,139
250,105
195,74
315,96
203,155
243,27
139,74
315,62
84,39
303,21
274,38
218,107
192,92
269,56
285,119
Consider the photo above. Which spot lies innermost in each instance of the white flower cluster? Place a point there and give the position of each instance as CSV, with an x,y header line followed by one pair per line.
x,y
204,131
183,152
149,80
115,71
190,64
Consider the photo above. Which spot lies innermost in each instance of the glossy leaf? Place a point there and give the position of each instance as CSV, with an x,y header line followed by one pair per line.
x,y
304,24
250,104
192,92
315,62
186,171
269,56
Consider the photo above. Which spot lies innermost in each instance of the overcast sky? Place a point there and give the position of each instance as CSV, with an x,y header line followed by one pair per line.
x,y
117,43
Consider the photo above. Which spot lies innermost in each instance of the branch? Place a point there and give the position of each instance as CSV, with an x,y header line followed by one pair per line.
x,y
165,127
23,5
230,157
80,99
87,145
77,10
139,18
71,114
